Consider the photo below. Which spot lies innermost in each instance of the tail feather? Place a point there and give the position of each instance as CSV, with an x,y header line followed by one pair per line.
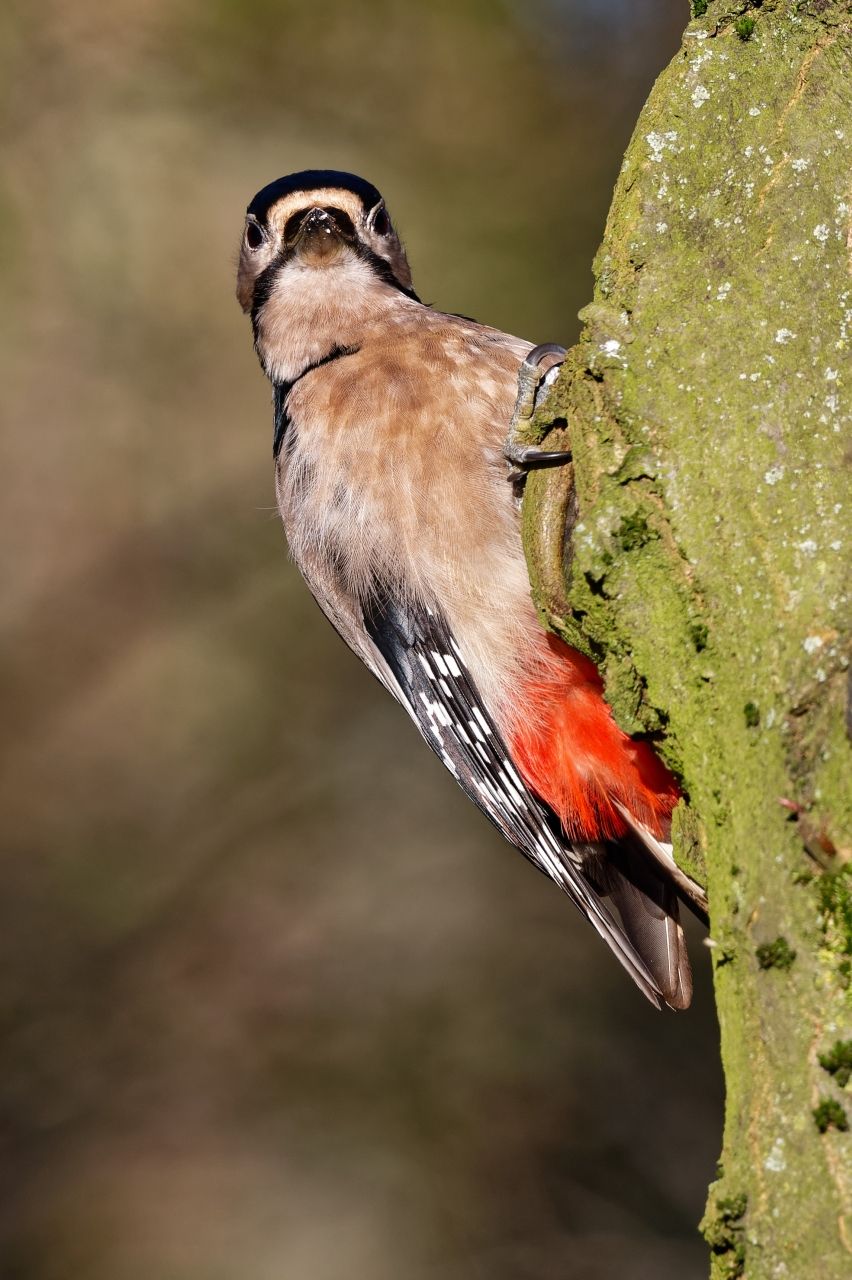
x,y
690,892
429,673
613,797
648,907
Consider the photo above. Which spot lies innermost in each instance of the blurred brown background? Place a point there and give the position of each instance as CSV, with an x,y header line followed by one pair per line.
x,y
275,1001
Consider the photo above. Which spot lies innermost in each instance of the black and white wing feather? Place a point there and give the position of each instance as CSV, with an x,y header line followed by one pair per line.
x,y
429,669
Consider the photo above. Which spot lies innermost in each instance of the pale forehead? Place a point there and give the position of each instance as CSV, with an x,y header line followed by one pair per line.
x,y
321,198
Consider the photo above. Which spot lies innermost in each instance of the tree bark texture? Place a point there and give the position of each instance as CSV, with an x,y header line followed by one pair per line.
x,y
708,572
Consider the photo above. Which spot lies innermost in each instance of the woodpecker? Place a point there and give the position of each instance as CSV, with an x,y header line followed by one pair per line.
x,y
400,511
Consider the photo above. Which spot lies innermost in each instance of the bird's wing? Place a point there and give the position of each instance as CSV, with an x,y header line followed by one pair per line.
x,y
428,667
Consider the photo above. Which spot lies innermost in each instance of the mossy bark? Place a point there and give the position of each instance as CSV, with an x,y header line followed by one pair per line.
x,y
708,409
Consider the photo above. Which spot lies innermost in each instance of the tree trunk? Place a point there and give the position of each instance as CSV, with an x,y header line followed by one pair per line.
x,y
708,409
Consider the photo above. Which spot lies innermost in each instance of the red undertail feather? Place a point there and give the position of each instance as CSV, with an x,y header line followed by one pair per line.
x,y
571,752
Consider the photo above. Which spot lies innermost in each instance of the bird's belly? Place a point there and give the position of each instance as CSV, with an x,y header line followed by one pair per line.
x,y
438,526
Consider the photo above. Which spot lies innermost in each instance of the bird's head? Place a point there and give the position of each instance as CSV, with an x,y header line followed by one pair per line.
x,y
317,248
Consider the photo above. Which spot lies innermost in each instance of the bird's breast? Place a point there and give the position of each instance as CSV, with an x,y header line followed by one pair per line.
x,y
393,472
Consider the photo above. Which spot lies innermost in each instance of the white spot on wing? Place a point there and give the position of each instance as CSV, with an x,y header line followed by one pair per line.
x,y
439,662
511,771
481,718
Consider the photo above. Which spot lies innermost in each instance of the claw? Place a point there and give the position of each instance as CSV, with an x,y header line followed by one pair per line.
x,y
530,376
524,455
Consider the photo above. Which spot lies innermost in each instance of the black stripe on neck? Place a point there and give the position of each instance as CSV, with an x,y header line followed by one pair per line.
x,y
383,269
281,391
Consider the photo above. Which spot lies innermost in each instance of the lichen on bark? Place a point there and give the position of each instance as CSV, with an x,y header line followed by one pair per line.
x,y
707,405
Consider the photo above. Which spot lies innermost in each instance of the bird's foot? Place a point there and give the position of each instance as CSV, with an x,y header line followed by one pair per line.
x,y
533,386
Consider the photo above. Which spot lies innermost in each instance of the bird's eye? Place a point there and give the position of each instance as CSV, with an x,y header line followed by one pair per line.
x,y
254,236
381,223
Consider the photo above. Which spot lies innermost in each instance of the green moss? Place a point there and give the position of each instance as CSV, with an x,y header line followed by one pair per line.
x,y
732,1209
699,636
687,842
634,532
830,1115
624,693
838,1062
752,715
723,1229
699,8
775,955
834,894
744,27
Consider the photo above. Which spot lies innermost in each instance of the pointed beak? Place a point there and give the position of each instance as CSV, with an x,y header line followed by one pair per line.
x,y
316,222
320,233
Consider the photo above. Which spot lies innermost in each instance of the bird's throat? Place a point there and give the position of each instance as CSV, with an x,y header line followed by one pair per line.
x,y
313,310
